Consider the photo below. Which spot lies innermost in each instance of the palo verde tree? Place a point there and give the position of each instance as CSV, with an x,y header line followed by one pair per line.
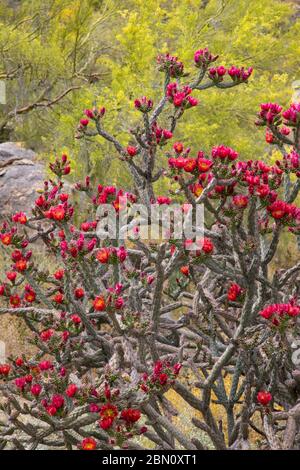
x,y
108,345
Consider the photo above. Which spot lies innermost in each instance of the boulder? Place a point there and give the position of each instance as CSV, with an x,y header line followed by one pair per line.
x,y
20,176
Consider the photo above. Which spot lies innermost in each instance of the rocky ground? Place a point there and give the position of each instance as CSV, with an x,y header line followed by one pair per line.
x,y
20,176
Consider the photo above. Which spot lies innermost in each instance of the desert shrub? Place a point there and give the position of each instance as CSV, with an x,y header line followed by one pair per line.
x,y
111,348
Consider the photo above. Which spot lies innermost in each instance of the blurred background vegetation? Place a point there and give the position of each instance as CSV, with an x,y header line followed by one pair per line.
x,y
60,56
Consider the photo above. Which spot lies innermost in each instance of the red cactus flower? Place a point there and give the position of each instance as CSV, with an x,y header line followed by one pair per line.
x,y
203,57
57,213
185,270
5,369
16,255
51,410
190,165
233,292
45,365
6,238
99,304
20,218
119,302
108,411
79,293
158,366
279,310
11,276
20,383
15,301
84,122
58,401
71,390
46,335
19,362
122,254
178,147
207,246
103,255
59,274
58,298
94,408
21,265
176,368
264,398
240,201
30,296
292,114
239,74
106,423
269,137
36,390
131,150
130,415
268,112
163,379
88,444
76,319
204,165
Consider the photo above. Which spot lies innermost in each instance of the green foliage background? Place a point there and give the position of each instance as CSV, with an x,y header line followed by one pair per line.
x,y
57,38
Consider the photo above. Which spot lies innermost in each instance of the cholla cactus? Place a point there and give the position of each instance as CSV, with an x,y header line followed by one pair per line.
x,y
108,344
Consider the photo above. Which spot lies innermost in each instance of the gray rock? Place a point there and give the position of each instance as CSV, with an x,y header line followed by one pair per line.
x,y
20,176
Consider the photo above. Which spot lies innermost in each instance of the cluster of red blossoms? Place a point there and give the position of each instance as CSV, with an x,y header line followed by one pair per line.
x,y
202,58
236,74
35,382
52,204
19,218
284,211
61,166
272,114
234,292
204,246
111,195
278,312
292,115
21,263
143,104
111,301
163,375
93,114
161,135
109,412
170,64
111,255
269,113
120,425
29,383
182,161
261,179
180,97
291,163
